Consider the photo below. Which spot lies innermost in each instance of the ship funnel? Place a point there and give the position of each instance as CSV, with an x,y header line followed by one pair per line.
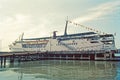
x,y
54,34
65,33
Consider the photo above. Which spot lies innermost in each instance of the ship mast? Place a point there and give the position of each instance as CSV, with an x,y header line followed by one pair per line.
x,y
65,33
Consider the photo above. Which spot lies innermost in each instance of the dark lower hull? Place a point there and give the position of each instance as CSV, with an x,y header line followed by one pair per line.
x,y
78,56
74,57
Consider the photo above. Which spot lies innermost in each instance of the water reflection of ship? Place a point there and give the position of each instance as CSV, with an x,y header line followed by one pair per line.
x,y
20,77
69,69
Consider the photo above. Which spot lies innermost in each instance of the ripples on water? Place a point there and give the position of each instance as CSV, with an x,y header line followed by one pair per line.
x,y
61,70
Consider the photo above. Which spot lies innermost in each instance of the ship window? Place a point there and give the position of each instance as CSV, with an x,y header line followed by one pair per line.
x,y
108,42
33,45
75,43
95,38
94,42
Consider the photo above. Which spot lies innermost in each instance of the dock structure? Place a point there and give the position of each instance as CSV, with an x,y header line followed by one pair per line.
x,y
56,55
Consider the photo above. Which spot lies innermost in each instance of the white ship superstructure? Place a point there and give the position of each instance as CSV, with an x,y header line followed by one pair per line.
x,y
86,41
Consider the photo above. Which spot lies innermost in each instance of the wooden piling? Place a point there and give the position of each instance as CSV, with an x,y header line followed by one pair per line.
x,y
4,61
19,59
11,59
1,58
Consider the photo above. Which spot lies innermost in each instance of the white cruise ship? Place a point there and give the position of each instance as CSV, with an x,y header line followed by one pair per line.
x,y
86,41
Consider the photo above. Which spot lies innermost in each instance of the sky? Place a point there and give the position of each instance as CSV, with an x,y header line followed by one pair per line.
x,y
38,18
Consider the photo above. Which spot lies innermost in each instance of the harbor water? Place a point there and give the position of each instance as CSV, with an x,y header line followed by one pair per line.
x,y
61,70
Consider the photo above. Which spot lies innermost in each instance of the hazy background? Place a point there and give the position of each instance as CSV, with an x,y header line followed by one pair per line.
x,y
38,18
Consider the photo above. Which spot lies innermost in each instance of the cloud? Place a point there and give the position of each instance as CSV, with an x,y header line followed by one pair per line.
x,y
15,23
99,11
12,26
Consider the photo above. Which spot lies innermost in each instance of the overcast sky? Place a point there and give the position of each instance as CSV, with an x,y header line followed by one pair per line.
x,y
38,18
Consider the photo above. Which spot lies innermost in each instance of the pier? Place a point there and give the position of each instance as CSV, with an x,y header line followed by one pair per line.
x,y
56,55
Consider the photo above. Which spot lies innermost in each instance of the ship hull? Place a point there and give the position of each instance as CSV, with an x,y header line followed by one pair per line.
x,y
94,56
78,46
